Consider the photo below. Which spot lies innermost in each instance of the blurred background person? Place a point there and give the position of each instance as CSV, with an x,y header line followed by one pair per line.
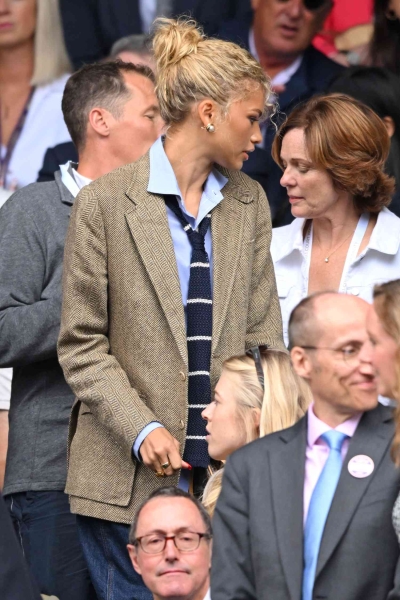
x,y
170,545
112,114
379,89
257,394
347,27
333,151
92,26
384,50
33,71
279,35
383,350
135,49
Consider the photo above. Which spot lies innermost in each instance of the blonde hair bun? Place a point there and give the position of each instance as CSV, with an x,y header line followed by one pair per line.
x,y
174,40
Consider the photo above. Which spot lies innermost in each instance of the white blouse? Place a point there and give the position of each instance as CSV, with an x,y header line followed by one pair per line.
x,y
378,263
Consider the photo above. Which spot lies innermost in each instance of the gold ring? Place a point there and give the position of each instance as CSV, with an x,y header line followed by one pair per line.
x,y
165,465
160,474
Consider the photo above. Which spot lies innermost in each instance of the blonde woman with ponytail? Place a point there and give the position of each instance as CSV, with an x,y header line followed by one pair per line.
x,y
168,275
243,411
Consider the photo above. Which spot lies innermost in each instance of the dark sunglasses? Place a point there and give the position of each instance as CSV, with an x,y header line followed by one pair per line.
x,y
255,353
314,4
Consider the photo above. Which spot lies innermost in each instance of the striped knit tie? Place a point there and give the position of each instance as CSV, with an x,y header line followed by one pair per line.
x,y
199,333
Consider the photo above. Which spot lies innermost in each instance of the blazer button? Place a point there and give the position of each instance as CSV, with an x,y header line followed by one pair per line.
x,y
182,376
181,424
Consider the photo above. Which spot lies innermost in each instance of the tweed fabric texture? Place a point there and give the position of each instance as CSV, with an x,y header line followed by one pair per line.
x,y
123,344
199,336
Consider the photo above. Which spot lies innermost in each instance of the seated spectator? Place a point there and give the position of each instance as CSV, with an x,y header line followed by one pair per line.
x,y
380,90
279,36
383,349
384,50
134,49
347,26
170,545
257,394
91,28
33,72
307,512
111,112
333,152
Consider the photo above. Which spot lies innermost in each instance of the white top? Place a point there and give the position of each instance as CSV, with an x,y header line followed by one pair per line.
x,y
378,263
44,128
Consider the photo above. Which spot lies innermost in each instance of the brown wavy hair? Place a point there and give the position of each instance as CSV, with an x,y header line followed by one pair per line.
x,y
387,306
346,138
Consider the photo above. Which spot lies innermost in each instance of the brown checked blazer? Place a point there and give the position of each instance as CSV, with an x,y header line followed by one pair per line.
x,y
122,344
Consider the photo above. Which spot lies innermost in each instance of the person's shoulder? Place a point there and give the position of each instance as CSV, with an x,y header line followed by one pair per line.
x,y
116,183
321,67
57,85
33,196
237,30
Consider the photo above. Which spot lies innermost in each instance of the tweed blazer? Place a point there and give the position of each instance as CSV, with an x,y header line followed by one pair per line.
x,y
122,344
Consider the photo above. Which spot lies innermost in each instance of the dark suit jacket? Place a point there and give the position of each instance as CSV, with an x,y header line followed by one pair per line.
x,y
55,157
312,77
258,523
92,26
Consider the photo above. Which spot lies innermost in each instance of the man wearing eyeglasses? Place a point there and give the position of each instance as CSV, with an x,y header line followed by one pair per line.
x,y
306,513
170,545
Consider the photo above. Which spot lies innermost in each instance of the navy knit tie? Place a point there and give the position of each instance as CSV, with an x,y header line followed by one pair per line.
x,y
199,334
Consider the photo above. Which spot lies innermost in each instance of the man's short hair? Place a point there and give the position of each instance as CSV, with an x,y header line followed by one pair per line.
x,y
303,323
99,85
171,492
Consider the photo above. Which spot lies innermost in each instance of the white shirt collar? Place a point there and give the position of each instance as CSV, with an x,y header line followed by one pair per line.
x,y
207,596
385,236
73,180
283,77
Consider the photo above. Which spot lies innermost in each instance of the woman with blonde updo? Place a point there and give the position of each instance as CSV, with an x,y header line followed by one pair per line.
x,y
248,405
168,275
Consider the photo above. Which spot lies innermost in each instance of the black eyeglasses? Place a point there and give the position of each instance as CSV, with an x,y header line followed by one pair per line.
x,y
185,541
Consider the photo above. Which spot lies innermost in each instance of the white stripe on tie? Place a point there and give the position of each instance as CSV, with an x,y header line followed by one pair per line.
x,y
187,227
195,437
199,264
199,301
199,338
198,405
198,373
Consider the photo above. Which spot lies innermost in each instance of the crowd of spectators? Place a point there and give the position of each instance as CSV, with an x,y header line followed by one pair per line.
x,y
199,292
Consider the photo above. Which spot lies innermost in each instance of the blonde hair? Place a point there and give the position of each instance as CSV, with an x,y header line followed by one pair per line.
x,y
191,67
387,306
285,400
51,58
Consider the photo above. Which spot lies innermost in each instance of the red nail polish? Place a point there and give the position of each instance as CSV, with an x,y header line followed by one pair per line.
x,y
189,467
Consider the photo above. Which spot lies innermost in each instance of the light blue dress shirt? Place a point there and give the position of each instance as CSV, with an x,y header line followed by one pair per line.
x,y
163,181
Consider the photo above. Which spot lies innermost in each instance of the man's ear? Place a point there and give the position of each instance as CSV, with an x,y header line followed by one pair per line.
x,y
301,362
133,556
99,120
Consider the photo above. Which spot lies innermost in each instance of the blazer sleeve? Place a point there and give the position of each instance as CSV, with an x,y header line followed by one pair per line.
x,y
29,310
93,373
264,321
232,574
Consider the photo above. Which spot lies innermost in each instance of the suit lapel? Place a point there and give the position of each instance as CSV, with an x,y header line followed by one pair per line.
x,y
372,438
227,222
287,478
148,224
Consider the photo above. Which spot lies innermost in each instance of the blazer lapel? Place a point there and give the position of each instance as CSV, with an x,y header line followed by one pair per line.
x,y
148,224
227,223
287,479
372,438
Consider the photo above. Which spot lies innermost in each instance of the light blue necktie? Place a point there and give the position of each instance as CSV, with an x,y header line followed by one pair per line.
x,y
320,504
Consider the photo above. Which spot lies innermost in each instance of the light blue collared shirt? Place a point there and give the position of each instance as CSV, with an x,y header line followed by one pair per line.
x,y
163,181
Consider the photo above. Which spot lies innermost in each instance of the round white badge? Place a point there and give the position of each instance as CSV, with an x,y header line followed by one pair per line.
x,y
361,466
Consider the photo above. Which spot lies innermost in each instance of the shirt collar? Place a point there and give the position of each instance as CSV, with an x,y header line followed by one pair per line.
x,y
163,181
385,236
316,427
293,237
72,180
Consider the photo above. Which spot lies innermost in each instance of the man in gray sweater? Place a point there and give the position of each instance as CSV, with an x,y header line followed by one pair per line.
x,y
112,115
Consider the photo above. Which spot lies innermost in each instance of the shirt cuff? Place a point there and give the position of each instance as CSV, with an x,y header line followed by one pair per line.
x,y
142,436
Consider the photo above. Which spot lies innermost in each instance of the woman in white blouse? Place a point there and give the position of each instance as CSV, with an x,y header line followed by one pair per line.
x,y
332,151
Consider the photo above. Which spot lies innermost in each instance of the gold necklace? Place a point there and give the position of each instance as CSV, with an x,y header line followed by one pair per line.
x,y
326,259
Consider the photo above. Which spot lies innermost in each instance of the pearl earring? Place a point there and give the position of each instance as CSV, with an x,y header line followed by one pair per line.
x,y
210,128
